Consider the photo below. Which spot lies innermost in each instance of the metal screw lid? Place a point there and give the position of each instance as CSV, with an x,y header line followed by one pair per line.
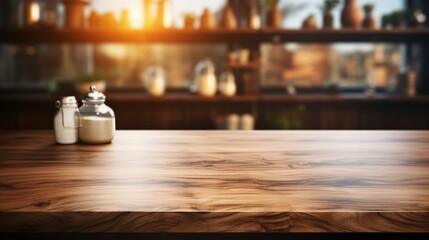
x,y
68,100
94,95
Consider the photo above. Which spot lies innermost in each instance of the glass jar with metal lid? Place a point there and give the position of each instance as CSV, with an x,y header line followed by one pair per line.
x,y
97,120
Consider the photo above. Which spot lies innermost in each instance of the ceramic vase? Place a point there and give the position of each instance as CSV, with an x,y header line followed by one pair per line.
x,y
310,22
208,20
328,20
229,20
351,15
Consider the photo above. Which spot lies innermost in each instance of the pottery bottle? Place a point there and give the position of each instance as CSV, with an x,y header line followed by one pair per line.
x,y
229,20
351,15
310,22
207,20
328,20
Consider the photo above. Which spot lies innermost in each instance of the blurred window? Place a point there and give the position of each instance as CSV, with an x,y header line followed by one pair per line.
x,y
122,64
348,65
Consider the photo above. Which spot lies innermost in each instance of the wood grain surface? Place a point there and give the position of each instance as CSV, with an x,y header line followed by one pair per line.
x,y
200,181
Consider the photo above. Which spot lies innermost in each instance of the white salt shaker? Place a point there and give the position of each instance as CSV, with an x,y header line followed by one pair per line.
x,y
66,121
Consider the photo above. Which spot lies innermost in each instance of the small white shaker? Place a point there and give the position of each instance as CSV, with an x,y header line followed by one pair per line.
x,y
66,121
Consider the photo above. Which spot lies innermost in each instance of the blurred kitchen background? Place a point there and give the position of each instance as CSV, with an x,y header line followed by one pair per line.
x,y
219,64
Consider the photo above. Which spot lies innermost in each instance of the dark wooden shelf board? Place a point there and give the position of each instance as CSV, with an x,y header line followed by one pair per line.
x,y
339,99
242,36
193,98
184,98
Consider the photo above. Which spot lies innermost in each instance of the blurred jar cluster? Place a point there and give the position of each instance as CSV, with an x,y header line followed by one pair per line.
x,y
205,82
153,14
235,121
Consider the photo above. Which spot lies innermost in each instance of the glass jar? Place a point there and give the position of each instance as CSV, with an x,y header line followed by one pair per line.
x,y
97,120
154,80
227,85
205,82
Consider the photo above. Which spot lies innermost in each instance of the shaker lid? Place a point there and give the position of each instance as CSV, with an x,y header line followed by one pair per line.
x,y
93,95
68,100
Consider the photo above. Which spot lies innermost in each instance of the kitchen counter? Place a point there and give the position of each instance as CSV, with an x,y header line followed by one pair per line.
x,y
212,182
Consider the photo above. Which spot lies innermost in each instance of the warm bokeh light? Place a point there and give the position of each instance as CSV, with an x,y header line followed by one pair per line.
x,y
117,51
136,19
168,18
174,9
35,12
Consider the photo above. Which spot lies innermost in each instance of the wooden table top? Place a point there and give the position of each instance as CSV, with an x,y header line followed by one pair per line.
x,y
216,181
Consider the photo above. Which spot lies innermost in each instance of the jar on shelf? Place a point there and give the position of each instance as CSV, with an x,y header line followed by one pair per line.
x,y
205,82
351,15
154,80
229,21
227,85
208,20
97,120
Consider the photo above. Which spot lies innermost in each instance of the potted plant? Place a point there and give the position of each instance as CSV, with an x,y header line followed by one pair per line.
x,y
386,21
276,15
86,81
397,18
416,16
369,20
328,18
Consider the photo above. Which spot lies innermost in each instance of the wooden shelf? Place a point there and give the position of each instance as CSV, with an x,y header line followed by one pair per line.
x,y
182,98
193,98
240,37
352,98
